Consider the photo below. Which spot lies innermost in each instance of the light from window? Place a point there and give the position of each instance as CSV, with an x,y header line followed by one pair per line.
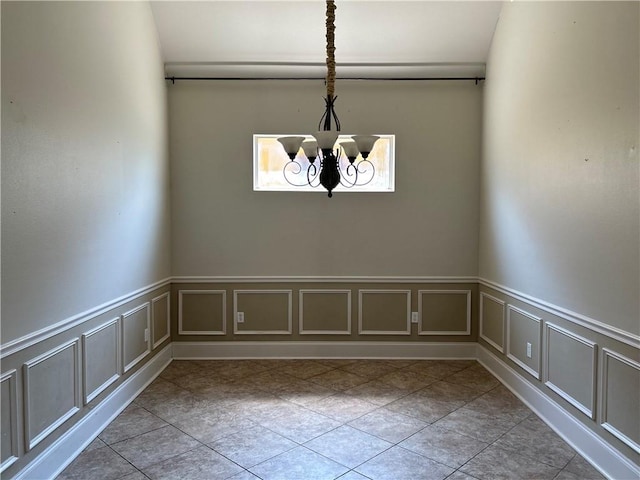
x,y
270,162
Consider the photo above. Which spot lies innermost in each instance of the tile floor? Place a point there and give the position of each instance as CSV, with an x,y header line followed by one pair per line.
x,y
327,419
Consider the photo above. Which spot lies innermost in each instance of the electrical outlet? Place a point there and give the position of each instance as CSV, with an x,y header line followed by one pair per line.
x,y
146,334
240,316
528,350
414,317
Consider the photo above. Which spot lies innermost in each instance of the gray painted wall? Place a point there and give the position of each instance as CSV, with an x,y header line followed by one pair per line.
x,y
427,227
560,216
85,210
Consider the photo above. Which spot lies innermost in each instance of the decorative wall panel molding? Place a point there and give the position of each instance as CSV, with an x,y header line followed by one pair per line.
x,y
325,312
9,424
51,391
384,312
136,338
524,340
14,346
492,321
444,310
263,312
620,415
202,312
602,328
160,319
101,358
570,367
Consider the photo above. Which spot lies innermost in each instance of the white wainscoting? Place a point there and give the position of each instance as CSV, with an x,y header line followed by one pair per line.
x,y
362,330
136,337
51,391
101,358
346,314
497,343
9,433
219,317
422,313
263,331
536,348
160,327
611,406
561,376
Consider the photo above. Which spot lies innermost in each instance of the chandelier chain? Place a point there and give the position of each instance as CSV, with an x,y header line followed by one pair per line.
x,y
331,60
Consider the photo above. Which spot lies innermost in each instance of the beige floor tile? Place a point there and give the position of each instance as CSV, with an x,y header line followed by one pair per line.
x,y
497,464
133,421
407,379
534,439
424,409
398,463
583,469
300,425
369,369
476,377
348,446
486,428
252,446
201,463
156,446
338,380
444,446
406,419
304,368
387,425
341,407
209,428
435,368
299,464
448,392
377,392
101,463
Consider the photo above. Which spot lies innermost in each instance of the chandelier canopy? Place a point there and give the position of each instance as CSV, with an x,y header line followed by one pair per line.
x,y
329,173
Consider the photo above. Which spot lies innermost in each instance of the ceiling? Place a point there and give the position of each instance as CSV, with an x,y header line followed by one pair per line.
x,y
264,38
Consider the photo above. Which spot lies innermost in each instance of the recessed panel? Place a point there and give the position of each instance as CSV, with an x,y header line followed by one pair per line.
x,y
202,312
160,318
621,390
325,312
9,423
385,312
492,321
101,358
262,312
135,336
444,312
51,390
524,334
570,369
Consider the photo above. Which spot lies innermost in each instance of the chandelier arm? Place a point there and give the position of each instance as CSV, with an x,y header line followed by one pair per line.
x,y
345,174
363,171
312,174
297,167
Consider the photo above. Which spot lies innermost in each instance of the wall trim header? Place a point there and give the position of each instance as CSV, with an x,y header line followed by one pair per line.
x,y
616,333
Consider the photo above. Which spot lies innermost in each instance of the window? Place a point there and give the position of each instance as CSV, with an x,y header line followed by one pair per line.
x,y
274,171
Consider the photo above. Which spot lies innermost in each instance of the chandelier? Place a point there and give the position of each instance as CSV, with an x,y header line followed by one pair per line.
x,y
330,173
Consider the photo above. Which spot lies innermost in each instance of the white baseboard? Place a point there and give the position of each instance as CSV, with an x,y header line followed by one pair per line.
x,y
363,350
64,450
600,454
